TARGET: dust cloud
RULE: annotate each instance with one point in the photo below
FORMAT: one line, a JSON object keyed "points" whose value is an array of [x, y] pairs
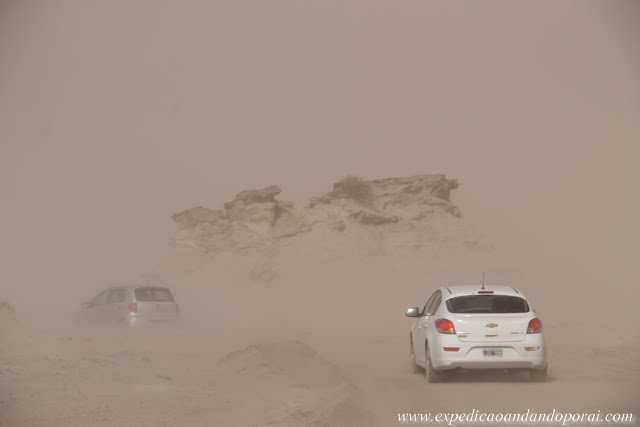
{"points": [[114, 116]]}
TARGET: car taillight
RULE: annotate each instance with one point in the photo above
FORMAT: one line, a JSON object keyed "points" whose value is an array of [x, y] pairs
{"points": [[133, 307], [445, 326], [535, 326]]}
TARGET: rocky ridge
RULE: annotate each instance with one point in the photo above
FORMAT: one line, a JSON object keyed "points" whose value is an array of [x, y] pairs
{"points": [[256, 217], [382, 229]]}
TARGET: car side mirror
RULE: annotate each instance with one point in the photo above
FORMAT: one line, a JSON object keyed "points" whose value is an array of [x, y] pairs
{"points": [[413, 312]]}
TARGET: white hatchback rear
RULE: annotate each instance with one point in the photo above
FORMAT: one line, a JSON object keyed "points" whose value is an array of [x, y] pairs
{"points": [[477, 327]]}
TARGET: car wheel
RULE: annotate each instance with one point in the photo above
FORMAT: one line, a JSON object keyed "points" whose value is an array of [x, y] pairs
{"points": [[538, 375], [432, 375], [415, 368]]}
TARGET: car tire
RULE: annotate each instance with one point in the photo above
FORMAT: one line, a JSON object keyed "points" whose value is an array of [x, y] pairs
{"points": [[430, 372], [415, 368], [538, 375]]}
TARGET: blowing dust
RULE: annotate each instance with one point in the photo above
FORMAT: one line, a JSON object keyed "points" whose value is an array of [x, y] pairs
{"points": [[299, 174]]}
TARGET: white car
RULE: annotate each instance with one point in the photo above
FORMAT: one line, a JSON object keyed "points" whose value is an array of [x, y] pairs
{"points": [[477, 327]]}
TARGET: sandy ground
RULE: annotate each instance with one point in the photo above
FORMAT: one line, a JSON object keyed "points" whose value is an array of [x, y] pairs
{"points": [[114, 115], [288, 356]]}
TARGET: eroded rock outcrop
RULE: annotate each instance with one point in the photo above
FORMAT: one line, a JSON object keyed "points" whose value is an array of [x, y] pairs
{"points": [[256, 217], [383, 230]]}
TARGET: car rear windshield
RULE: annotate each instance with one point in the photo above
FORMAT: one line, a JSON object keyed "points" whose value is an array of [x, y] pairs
{"points": [[153, 295], [487, 304]]}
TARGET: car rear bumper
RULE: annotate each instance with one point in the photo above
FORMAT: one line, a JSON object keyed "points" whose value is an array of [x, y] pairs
{"points": [[137, 321], [531, 353]]}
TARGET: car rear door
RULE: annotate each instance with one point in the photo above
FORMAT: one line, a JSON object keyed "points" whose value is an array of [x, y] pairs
{"points": [[116, 308], [97, 310], [421, 327]]}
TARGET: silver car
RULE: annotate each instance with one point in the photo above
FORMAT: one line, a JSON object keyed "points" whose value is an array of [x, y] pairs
{"points": [[132, 306]]}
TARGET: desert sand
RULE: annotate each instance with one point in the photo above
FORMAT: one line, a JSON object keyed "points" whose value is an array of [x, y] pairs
{"points": [[293, 315], [194, 144]]}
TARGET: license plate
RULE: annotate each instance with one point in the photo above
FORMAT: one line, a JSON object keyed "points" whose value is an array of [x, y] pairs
{"points": [[492, 352]]}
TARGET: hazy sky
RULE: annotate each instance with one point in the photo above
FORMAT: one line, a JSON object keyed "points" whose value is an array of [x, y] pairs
{"points": [[116, 114]]}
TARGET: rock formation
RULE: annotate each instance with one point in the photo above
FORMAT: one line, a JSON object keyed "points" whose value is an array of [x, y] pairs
{"points": [[384, 229], [256, 216]]}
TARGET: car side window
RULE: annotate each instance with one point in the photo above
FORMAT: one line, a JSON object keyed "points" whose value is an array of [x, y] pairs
{"points": [[436, 302], [427, 307], [116, 296], [101, 299]]}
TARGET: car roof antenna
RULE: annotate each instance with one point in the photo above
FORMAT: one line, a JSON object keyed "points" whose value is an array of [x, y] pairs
{"points": [[483, 280]]}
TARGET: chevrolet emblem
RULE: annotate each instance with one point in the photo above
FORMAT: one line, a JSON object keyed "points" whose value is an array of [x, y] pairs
{"points": [[491, 325]]}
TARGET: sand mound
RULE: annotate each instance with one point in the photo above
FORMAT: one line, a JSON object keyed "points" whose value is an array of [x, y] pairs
{"points": [[310, 390], [293, 359]]}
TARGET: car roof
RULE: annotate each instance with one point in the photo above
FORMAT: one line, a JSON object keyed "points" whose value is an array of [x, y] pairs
{"points": [[474, 289]]}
